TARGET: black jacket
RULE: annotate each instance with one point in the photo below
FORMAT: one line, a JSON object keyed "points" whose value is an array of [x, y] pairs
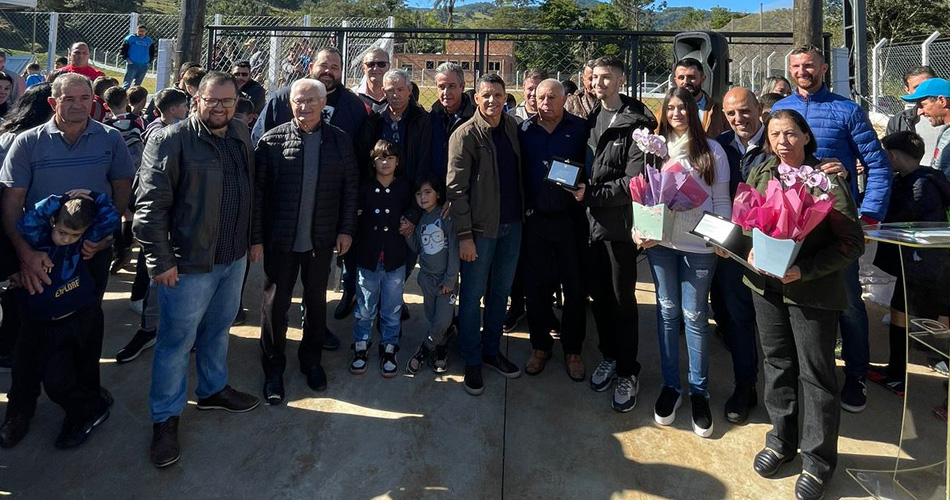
{"points": [[381, 208], [279, 161], [905, 120], [348, 115], [740, 164], [416, 146], [442, 127], [921, 196], [178, 196], [255, 93], [616, 160]]}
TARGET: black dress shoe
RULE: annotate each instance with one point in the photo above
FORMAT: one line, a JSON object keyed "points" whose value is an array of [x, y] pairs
{"points": [[767, 462], [274, 389], [14, 429], [345, 307], [317, 378], [738, 405], [330, 341], [809, 487]]}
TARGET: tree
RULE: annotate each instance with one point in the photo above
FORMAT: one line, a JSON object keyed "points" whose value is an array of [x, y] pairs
{"points": [[905, 19], [639, 15], [719, 17], [448, 8]]}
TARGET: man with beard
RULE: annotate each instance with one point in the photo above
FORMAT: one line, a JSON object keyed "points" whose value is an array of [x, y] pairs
{"points": [[842, 131], [193, 218], [688, 74], [343, 109]]}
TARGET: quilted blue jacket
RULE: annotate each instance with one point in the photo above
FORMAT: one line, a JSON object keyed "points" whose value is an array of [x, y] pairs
{"points": [[843, 131]]}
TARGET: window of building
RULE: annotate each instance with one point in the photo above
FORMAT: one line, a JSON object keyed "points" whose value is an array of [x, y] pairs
{"points": [[494, 65], [430, 64], [466, 65]]}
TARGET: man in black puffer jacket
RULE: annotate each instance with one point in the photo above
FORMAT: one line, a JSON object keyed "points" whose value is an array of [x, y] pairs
{"points": [[614, 159], [306, 203]]}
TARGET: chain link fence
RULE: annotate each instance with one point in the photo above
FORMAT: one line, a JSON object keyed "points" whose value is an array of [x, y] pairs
{"points": [[285, 53], [890, 61]]}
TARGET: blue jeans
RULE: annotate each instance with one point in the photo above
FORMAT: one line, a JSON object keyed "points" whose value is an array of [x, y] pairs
{"points": [[682, 283], [380, 290], [197, 311], [497, 257], [134, 73], [855, 349]]}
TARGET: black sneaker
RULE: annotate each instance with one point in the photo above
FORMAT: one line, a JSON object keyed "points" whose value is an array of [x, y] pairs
{"points": [[317, 378], [501, 364], [418, 360], [388, 364], [809, 487], [141, 341], [14, 429], [664, 411], [360, 357], [474, 384], [625, 394], [75, 434], [229, 399], [854, 395], [274, 389], [702, 417], [881, 375], [514, 316], [441, 362]]}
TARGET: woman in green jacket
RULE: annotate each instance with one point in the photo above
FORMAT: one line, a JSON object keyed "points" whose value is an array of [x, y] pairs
{"points": [[797, 316]]}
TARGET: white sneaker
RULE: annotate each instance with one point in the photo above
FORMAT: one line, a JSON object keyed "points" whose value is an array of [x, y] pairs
{"points": [[625, 395], [603, 375]]}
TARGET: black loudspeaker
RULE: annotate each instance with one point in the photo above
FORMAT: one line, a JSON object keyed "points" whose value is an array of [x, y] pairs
{"points": [[710, 48]]}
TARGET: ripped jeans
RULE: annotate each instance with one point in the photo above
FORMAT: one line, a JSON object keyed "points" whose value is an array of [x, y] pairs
{"points": [[683, 280]]}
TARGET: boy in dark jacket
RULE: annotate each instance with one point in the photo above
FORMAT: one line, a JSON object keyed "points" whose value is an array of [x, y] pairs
{"points": [[65, 315], [918, 194]]}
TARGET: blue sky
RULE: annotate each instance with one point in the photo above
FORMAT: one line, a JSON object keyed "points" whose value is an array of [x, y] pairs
{"points": [[699, 4]]}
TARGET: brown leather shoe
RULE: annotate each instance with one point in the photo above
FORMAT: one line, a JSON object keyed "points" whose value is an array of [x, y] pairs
{"points": [[165, 450], [229, 399], [14, 429], [575, 367], [536, 362]]}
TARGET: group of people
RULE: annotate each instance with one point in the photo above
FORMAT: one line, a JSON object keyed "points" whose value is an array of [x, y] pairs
{"points": [[460, 190]]}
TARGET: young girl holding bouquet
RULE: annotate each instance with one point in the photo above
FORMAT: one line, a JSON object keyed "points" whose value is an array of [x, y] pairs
{"points": [[797, 314], [683, 266]]}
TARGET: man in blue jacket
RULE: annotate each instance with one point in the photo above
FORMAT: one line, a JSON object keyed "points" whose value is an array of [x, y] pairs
{"points": [[843, 131], [138, 50]]}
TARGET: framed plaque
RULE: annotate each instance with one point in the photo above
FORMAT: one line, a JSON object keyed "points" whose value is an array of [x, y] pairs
{"points": [[564, 173]]}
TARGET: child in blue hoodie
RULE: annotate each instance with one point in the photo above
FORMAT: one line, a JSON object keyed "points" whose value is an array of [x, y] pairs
{"points": [[65, 316]]}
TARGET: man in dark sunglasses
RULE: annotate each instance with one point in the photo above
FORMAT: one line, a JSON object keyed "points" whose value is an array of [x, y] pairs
{"points": [[370, 90], [251, 88]]}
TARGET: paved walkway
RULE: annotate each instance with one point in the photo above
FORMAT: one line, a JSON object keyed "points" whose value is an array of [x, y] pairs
{"points": [[542, 437]]}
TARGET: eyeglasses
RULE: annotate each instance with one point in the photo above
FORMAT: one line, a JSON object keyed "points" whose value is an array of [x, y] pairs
{"points": [[305, 102], [376, 64], [241, 74], [211, 102]]}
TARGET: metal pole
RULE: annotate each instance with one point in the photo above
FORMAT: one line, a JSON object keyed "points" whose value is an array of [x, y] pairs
{"points": [[925, 48], [306, 20], [755, 73], [741, 70], [133, 22], [273, 66], [876, 72], [51, 42], [218, 19], [163, 66], [768, 64], [787, 57]]}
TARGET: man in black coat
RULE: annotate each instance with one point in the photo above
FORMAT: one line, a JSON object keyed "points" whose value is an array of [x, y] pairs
{"points": [[305, 207]]}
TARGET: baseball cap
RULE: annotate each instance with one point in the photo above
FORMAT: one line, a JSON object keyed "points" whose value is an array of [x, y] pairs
{"points": [[932, 87]]}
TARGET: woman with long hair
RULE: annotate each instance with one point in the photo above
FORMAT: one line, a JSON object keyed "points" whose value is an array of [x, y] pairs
{"points": [[683, 266], [30, 110], [776, 85], [797, 314]]}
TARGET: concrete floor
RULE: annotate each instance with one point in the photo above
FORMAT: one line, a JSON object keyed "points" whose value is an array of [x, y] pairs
{"points": [[424, 437]]}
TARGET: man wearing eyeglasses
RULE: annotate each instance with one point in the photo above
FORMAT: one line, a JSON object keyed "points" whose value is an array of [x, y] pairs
{"points": [[375, 65], [247, 86], [305, 206], [193, 219]]}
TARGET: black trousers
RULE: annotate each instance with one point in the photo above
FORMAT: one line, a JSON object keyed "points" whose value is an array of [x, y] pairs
{"points": [[798, 344], [551, 257], [141, 282], [9, 330], [612, 280], [68, 360], [280, 276], [26, 371]]}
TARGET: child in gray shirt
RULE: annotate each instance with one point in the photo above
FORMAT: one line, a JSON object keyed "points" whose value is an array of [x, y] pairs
{"points": [[435, 242]]}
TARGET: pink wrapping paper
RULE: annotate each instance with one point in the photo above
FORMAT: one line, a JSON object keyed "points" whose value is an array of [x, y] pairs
{"points": [[780, 213], [673, 187]]}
